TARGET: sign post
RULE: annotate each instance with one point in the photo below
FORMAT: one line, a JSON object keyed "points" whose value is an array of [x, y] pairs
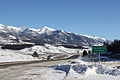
{"points": [[99, 49], [99, 57]]}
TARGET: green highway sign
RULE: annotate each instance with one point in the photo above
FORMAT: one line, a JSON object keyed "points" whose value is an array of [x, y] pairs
{"points": [[99, 49]]}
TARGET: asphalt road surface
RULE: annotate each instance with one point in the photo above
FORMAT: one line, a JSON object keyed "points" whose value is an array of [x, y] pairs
{"points": [[12, 72]]}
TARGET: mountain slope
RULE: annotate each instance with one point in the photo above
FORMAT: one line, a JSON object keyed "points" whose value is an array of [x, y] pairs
{"points": [[46, 35]]}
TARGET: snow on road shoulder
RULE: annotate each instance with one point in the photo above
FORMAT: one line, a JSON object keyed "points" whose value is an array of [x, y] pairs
{"points": [[73, 70], [89, 72], [42, 74]]}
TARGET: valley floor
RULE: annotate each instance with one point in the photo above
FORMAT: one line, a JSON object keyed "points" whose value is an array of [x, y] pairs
{"points": [[71, 69]]}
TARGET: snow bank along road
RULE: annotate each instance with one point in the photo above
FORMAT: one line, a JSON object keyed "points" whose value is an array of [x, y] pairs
{"points": [[72, 69]]}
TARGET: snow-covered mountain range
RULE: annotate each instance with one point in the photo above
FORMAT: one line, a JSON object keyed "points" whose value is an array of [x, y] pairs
{"points": [[48, 35]]}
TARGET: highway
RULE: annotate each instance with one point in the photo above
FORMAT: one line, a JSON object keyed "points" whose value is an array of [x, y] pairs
{"points": [[13, 71]]}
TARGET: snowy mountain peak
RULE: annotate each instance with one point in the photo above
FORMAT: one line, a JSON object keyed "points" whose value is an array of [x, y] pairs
{"points": [[23, 28], [93, 37], [1, 25], [46, 30], [13, 28]]}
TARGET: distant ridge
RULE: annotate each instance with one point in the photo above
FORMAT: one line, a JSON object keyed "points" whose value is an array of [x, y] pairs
{"points": [[12, 34]]}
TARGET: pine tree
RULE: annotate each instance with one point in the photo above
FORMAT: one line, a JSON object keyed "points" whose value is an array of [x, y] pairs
{"points": [[35, 54], [84, 53]]}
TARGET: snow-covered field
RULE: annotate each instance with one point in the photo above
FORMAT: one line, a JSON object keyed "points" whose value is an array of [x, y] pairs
{"points": [[43, 51], [73, 70], [50, 49], [10, 56]]}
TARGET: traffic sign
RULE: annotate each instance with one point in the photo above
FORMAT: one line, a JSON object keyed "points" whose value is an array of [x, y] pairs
{"points": [[99, 49]]}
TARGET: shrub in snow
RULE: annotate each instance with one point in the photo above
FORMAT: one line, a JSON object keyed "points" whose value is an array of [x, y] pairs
{"points": [[35, 54], [89, 52], [85, 53]]}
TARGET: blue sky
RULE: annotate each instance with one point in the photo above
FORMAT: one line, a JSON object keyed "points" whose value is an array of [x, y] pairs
{"points": [[91, 17]]}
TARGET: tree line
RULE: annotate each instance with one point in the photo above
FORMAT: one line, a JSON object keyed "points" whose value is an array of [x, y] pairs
{"points": [[113, 47], [16, 46]]}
